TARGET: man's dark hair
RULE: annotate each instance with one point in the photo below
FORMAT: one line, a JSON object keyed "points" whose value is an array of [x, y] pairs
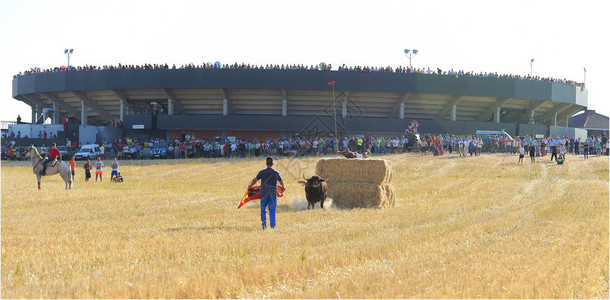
{"points": [[269, 161], [54, 144]]}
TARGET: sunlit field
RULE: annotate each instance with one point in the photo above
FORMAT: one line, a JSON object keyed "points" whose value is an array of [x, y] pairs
{"points": [[476, 227]]}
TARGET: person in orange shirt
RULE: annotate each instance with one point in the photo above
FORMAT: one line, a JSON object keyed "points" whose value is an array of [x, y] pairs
{"points": [[72, 164]]}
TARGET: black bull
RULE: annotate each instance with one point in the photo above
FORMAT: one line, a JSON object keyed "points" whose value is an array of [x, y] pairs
{"points": [[315, 190]]}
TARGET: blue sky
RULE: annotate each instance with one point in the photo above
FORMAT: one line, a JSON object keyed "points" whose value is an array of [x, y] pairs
{"points": [[497, 36]]}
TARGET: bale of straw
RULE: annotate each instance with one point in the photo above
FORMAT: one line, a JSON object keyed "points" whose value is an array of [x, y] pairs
{"points": [[390, 192], [342, 170], [349, 195]]}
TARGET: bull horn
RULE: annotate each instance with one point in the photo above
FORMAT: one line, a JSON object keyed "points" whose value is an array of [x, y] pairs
{"points": [[304, 177]]}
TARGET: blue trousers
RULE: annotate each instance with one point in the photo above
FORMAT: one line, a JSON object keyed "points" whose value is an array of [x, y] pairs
{"points": [[272, 204]]}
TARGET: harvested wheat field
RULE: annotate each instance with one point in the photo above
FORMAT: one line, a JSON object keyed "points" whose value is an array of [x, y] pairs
{"points": [[477, 227]]}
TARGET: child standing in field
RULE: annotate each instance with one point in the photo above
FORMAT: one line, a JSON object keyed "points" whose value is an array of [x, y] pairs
{"points": [[98, 169], [72, 164], [521, 154], [87, 168], [115, 169]]}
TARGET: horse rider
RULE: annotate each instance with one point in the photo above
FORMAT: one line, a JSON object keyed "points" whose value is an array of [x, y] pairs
{"points": [[53, 154]]}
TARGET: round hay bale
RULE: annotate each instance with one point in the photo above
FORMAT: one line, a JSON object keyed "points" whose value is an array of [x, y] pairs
{"points": [[342, 170], [350, 195]]}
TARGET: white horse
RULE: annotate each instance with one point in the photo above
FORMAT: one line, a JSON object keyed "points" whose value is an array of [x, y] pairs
{"points": [[62, 167]]}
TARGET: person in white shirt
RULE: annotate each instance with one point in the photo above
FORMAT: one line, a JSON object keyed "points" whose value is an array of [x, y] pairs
{"points": [[479, 146], [102, 152], [521, 155]]}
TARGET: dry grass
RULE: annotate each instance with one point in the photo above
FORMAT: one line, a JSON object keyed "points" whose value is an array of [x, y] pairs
{"points": [[462, 228]]}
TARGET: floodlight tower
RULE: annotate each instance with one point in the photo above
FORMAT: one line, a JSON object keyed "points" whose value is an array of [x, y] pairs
{"points": [[68, 53], [531, 67], [410, 55]]}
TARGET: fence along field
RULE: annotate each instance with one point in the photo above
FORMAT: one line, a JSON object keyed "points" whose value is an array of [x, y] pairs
{"points": [[475, 228]]}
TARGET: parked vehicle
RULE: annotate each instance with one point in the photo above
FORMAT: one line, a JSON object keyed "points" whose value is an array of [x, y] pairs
{"points": [[91, 151], [159, 151], [485, 133], [66, 152]]}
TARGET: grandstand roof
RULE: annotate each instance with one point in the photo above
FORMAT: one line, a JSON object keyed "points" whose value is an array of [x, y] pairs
{"points": [[107, 95]]}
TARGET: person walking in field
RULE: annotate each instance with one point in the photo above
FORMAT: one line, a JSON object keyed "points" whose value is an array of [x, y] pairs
{"points": [[99, 165], [72, 164], [554, 144], [87, 168], [269, 179], [115, 169], [532, 153]]}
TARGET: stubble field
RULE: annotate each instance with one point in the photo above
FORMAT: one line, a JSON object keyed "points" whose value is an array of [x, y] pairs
{"points": [[480, 227]]}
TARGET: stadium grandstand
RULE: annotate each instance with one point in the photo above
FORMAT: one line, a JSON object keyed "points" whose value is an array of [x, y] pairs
{"points": [[216, 100]]}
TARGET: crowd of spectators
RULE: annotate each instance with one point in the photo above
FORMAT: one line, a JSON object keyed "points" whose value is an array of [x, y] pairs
{"points": [[474, 145], [322, 66], [188, 146]]}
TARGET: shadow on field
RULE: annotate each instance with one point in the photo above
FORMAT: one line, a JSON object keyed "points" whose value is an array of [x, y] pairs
{"points": [[295, 204], [210, 228]]}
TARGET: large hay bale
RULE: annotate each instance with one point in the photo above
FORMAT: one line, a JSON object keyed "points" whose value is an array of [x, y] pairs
{"points": [[390, 196], [342, 170], [349, 195]]}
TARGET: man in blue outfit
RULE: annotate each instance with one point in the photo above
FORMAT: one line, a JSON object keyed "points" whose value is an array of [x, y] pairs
{"points": [[269, 179]]}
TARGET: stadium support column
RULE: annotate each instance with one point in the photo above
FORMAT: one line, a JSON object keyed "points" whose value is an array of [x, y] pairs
{"points": [[450, 108], [56, 113], [344, 99], [552, 115], [399, 108], [83, 114], [170, 106], [497, 115], [454, 112], [284, 104], [33, 114], [227, 106], [569, 112], [121, 111], [173, 104], [39, 112], [530, 112], [123, 103]]}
